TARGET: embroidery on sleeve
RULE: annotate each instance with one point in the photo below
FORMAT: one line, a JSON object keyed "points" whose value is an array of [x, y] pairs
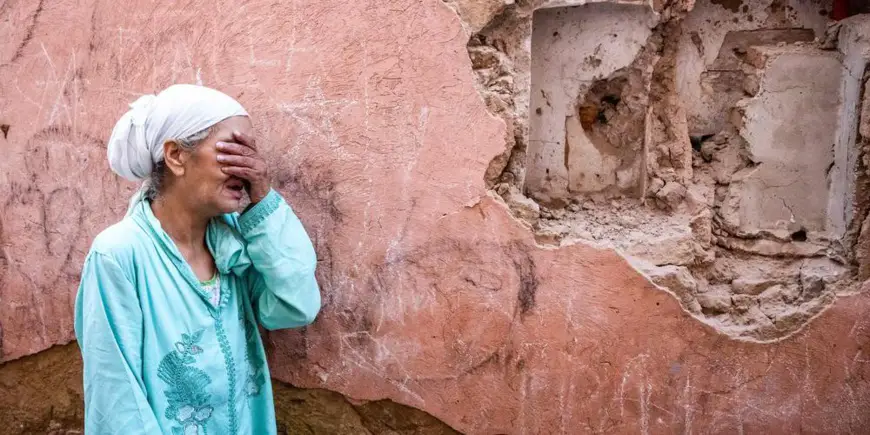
{"points": [[187, 396]]}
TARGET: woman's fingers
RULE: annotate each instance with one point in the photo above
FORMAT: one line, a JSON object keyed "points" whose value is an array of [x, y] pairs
{"points": [[237, 160], [242, 160], [241, 172], [234, 148], [246, 140]]}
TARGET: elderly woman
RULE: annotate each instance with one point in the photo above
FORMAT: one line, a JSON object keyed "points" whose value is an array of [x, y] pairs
{"points": [[170, 298]]}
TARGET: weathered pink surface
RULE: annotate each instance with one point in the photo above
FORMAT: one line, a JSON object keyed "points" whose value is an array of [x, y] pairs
{"points": [[598, 350], [434, 296]]}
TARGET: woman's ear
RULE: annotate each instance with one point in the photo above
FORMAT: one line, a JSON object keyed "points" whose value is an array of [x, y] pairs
{"points": [[174, 156]]}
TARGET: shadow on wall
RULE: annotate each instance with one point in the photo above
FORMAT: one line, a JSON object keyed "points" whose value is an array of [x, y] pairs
{"points": [[848, 8], [50, 383]]}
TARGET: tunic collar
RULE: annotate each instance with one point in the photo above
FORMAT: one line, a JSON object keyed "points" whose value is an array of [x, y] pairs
{"points": [[223, 239]]}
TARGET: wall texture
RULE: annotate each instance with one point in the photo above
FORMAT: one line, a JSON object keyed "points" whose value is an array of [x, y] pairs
{"points": [[399, 131]]}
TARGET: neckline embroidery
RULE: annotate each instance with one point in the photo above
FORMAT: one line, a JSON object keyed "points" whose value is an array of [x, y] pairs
{"points": [[212, 289]]}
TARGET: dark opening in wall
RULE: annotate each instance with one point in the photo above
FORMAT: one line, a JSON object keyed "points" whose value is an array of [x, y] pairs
{"points": [[587, 135]]}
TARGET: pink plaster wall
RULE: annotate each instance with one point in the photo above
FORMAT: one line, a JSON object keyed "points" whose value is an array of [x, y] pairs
{"points": [[434, 296]]}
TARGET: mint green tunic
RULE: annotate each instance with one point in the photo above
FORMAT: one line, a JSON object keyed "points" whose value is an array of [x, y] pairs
{"points": [[159, 356]]}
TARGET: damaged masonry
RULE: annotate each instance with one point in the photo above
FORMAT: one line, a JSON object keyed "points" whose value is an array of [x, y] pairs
{"points": [[491, 187], [718, 150]]}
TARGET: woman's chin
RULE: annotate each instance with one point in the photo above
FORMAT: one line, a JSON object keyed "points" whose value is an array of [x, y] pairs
{"points": [[229, 204]]}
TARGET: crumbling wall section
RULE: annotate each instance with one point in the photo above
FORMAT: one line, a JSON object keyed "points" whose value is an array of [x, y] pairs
{"points": [[584, 137], [713, 151], [861, 225], [850, 36]]}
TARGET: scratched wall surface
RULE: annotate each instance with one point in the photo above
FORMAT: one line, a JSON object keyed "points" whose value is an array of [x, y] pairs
{"points": [[434, 296]]}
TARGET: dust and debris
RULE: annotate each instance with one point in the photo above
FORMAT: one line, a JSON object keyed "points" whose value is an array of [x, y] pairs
{"points": [[494, 52], [611, 114], [622, 224], [686, 225]]}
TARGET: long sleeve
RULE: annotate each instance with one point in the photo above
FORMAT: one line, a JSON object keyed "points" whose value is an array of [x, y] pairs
{"points": [[108, 327], [284, 288]]}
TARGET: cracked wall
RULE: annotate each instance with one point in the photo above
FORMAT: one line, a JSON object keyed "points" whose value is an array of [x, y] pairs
{"points": [[583, 136], [711, 148], [399, 132]]}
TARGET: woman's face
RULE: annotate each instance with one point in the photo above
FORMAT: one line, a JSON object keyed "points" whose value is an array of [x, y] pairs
{"points": [[203, 181]]}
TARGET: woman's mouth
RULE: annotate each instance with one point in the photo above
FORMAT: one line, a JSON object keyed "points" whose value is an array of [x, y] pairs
{"points": [[236, 186]]}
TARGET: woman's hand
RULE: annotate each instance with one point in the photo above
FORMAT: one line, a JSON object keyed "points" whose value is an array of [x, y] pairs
{"points": [[242, 160]]}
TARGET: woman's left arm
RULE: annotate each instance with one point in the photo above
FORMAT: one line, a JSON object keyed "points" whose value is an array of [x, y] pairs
{"points": [[284, 289]]}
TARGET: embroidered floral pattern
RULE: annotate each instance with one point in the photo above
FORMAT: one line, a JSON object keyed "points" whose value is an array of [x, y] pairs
{"points": [[187, 396], [231, 371], [256, 375]]}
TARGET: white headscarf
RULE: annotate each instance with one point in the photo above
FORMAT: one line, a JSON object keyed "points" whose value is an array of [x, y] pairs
{"points": [[179, 111]]}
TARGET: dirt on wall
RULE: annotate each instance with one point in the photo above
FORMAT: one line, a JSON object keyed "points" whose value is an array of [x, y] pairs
{"points": [[42, 394]]}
